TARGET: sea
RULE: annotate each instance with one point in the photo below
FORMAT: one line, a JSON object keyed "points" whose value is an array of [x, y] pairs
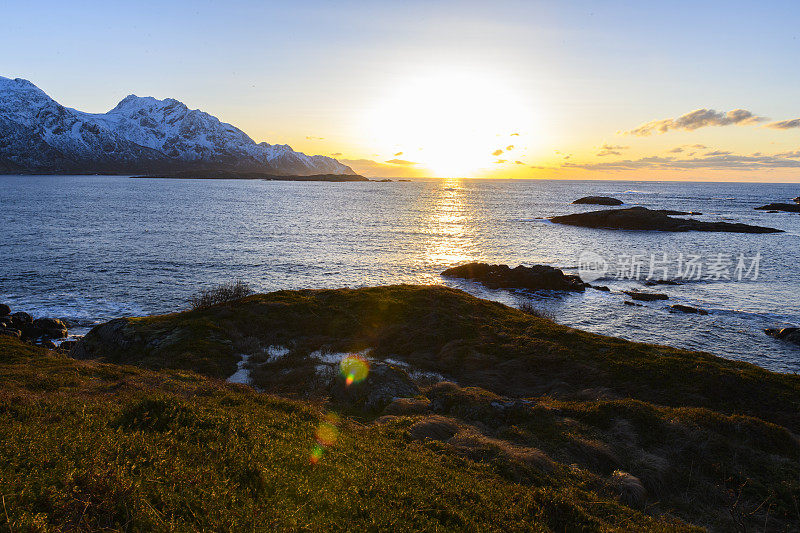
{"points": [[91, 248]]}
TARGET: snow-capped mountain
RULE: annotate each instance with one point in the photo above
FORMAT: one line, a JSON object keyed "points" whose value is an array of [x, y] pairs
{"points": [[140, 135]]}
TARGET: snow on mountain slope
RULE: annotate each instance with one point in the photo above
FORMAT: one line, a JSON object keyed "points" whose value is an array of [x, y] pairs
{"points": [[140, 134]]}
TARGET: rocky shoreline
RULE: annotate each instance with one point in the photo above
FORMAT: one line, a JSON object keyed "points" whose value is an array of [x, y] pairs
{"points": [[39, 331]]}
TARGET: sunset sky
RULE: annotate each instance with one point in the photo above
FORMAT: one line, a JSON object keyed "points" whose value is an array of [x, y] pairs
{"points": [[606, 90]]}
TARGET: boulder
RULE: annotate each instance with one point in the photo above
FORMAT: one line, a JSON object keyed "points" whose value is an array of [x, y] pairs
{"points": [[21, 318], [797, 200], [646, 296], [4, 310], [537, 277], [52, 327], [626, 302], [785, 334], [688, 309], [643, 219], [29, 331], [788, 208], [598, 200], [384, 384], [600, 288], [5, 321]]}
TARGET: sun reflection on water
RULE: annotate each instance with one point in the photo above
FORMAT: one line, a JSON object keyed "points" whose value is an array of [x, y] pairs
{"points": [[449, 225]]}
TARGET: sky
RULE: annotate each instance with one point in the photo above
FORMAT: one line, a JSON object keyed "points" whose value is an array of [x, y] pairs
{"points": [[580, 90]]}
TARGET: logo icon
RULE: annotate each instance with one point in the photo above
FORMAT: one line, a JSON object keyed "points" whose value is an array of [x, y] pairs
{"points": [[591, 266]]}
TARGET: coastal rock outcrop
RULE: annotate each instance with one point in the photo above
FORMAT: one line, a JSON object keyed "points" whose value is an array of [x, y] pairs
{"points": [[688, 309], [641, 218], [23, 326], [646, 296], [598, 200], [785, 334], [788, 208], [534, 278]]}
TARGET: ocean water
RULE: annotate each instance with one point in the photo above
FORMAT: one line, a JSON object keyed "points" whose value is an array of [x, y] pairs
{"points": [[92, 248]]}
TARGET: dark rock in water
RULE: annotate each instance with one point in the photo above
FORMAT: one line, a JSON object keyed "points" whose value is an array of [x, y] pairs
{"points": [[789, 208], [600, 288], [598, 200], [4, 310], [21, 318], [11, 332], [626, 302], [688, 309], [646, 296], [383, 385], [653, 282], [797, 200], [786, 334], [29, 331], [537, 277], [52, 327], [641, 218]]}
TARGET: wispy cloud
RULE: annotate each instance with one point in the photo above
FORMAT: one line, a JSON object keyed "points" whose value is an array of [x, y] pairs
{"points": [[312, 138], [398, 154], [699, 118], [497, 152], [401, 162], [337, 154], [725, 160], [784, 124], [610, 149]]}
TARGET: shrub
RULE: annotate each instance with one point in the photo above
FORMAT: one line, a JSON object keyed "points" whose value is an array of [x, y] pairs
{"points": [[527, 307], [226, 292]]}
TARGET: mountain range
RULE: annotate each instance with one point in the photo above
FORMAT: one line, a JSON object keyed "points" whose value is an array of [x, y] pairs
{"points": [[140, 135]]}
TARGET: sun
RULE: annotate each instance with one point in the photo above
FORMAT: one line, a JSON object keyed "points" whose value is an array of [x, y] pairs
{"points": [[451, 122]]}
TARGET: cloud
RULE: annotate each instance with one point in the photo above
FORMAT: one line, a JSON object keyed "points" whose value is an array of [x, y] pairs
{"points": [[699, 118], [784, 124], [712, 162], [509, 147], [514, 134], [497, 152], [610, 149], [501, 161], [718, 152], [401, 162], [398, 153], [676, 150], [518, 163], [312, 138], [337, 154]]}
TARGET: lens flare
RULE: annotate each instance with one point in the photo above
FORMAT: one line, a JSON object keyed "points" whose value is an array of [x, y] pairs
{"points": [[354, 369], [316, 454], [326, 435]]}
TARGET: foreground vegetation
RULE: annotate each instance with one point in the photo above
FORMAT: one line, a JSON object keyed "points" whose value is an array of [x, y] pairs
{"points": [[538, 427]]}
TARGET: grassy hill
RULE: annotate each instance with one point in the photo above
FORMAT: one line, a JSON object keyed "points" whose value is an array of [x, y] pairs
{"points": [[505, 421]]}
